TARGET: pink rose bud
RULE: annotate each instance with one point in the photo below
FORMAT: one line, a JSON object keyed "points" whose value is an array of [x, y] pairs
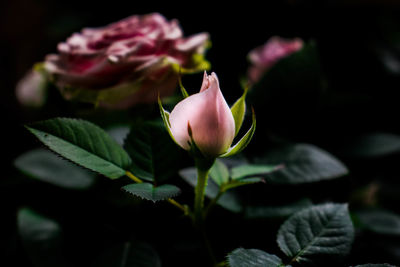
{"points": [[264, 57], [31, 89], [127, 62], [206, 117]]}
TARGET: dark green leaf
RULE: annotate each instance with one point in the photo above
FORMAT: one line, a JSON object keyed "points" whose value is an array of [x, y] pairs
{"points": [[45, 166], [245, 181], [219, 172], [374, 145], [154, 155], [241, 257], [320, 231], [129, 254], [248, 170], [261, 212], [149, 192], [229, 200], [303, 163], [42, 238], [83, 143], [379, 221]]}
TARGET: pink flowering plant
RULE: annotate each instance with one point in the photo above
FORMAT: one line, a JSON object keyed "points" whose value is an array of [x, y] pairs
{"points": [[196, 189], [264, 57], [125, 63]]}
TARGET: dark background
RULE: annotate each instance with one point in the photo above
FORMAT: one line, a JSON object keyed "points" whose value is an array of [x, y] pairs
{"points": [[351, 37]]}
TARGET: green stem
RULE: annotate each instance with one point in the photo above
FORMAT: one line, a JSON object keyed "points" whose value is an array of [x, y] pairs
{"points": [[199, 192], [203, 166]]}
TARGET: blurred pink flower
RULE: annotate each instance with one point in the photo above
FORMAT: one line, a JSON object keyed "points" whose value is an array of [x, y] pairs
{"points": [[126, 62], [207, 116], [264, 57], [31, 89]]}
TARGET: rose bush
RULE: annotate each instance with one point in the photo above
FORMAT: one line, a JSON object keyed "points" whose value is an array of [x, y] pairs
{"points": [[127, 62], [264, 57]]}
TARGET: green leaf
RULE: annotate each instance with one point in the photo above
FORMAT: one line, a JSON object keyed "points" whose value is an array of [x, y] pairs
{"points": [[42, 238], [83, 143], [243, 142], [379, 221], [267, 212], [154, 156], [129, 254], [245, 181], [248, 170], [320, 231], [241, 257], [239, 110], [374, 145], [229, 200], [303, 163], [149, 192], [45, 166], [219, 172], [248, 174]]}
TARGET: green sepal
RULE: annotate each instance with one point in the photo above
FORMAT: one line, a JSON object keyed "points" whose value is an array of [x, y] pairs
{"points": [[183, 90], [244, 141], [165, 118], [238, 110]]}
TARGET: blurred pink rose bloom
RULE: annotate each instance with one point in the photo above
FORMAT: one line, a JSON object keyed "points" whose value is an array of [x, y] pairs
{"points": [[127, 62], [264, 57], [31, 89]]}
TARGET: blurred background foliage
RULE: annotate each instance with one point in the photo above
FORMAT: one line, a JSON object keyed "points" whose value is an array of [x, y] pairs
{"points": [[343, 97]]}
